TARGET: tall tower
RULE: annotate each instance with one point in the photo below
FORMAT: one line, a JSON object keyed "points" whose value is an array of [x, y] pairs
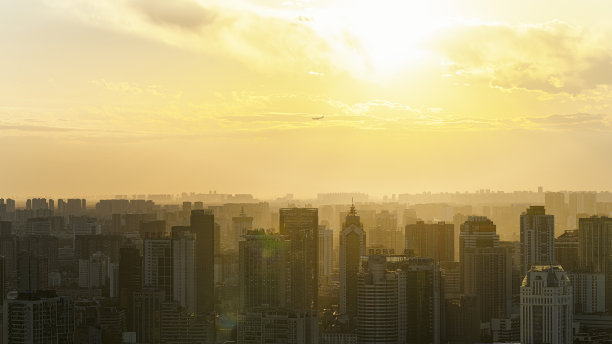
{"points": [[537, 238], [546, 306], [301, 226], [352, 247], [203, 225]]}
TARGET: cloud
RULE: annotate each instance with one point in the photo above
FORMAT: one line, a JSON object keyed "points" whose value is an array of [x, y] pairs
{"points": [[554, 57], [184, 14]]}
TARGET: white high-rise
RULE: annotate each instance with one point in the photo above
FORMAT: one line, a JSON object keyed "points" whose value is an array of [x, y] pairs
{"points": [[546, 306]]}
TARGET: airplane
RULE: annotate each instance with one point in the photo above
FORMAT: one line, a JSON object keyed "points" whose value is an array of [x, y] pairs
{"points": [[318, 117]]}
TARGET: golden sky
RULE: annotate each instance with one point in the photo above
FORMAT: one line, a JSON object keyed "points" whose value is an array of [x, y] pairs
{"points": [[148, 96]]}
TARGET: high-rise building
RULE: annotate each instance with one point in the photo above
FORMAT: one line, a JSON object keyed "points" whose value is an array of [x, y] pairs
{"points": [[241, 224], [301, 226], [32, 272], [326, 251], [463, 319], [377, 303], [157, 272], [38, 317], [432, 240], [555, 205], [203, 225], [147, 315], [93, 272], [352, 247], [477, 231], [546, 306], [595, 250], [184, 268], [589, 292], [130, 281], [537, 238], [566, 250], [486, 268], [420, 300], [180, 326], [264, 271]]}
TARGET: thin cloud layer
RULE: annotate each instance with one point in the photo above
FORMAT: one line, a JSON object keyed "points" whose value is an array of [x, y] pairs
{"points": [[554, 57]]}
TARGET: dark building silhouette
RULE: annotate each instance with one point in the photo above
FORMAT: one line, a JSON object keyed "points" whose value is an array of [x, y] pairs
{"points": [[537, 238], [595, 250], [352, 247], [566, 250], [203, 225], [130, 281], [432, 240], [301, 226]]}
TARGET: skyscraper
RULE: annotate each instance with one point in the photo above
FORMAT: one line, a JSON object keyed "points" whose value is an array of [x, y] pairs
{"points": [[301, 226], [486, 268], [537, 238], [595, 250], [377, 303], [183, 267], [420, 299], [157, 251], [264, 271], [130, 281], [432, 240], [352, 247], [38, 317], [326, 251], [203, 225], [546, 306], [566, 250]]}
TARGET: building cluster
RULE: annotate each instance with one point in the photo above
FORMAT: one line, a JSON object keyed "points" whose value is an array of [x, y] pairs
{"points": [[135, 271]]}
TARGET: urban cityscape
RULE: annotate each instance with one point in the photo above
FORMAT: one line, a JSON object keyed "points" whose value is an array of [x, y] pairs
{"points": [[480, 267], [305, 171]]}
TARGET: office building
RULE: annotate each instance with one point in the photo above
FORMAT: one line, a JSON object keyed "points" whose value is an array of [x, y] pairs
{"points": [[241, 224], [589, 292], [326, 251], [566, 250], [130, 281]]}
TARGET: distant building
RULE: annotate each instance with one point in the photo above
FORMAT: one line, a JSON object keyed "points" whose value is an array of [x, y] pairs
{"points": [[264, 325], [326, 251], [147, 315], [241, 224], [130, 281], [432, 240], [555, 205], [93, 272], [546, 306]]}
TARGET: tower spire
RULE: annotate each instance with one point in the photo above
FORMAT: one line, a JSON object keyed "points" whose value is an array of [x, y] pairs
{"points": [[353, 211]]}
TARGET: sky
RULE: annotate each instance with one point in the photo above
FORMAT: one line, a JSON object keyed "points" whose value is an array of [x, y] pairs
{"points": [[155, 96]]}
